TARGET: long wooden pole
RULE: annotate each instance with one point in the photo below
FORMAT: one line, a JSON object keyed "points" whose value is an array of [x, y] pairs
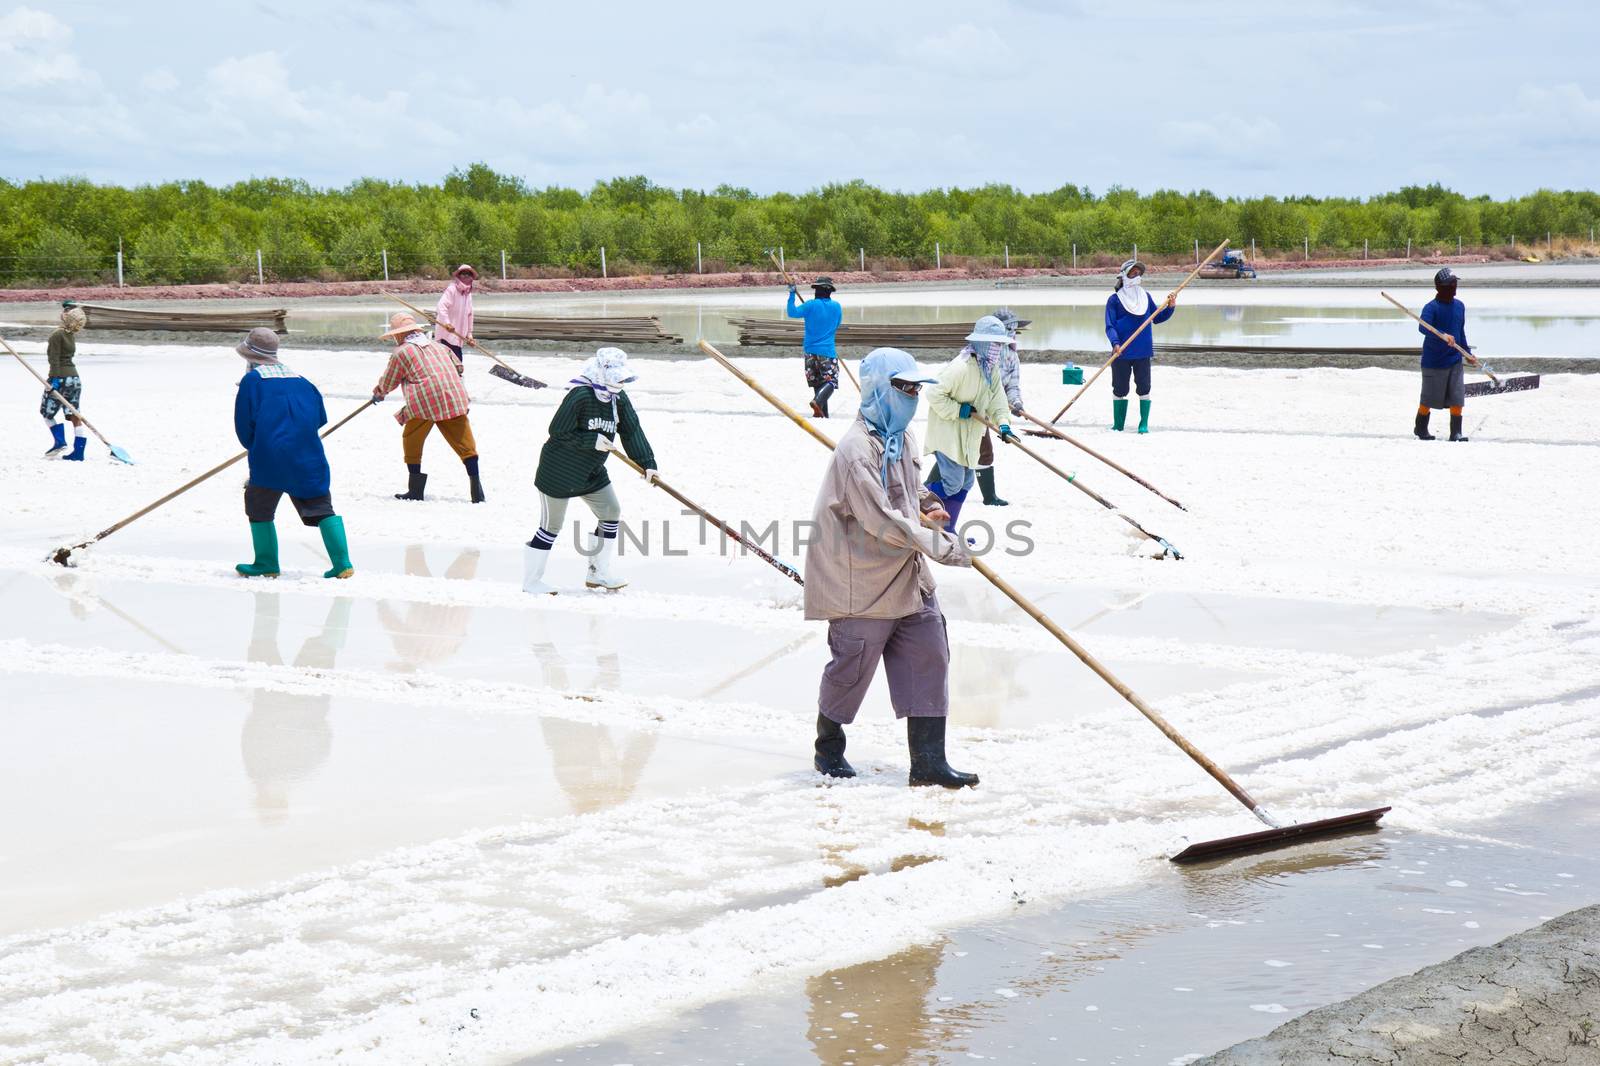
{"points": [[433, 317], [1048, 429], [117, 452], [1072, 479], [62, 555], [732, 534], [1151, 714], [788, 277], [1471, 359], [1119, 349]]}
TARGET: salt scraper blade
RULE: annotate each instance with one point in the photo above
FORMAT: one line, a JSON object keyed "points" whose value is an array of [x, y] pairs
{"points": [[1266, 839]]}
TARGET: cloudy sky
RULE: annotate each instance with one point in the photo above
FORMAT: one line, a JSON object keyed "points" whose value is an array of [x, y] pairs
{"points": [[1323, 97]]}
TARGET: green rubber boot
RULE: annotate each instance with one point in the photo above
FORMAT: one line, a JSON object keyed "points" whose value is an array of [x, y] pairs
{"points": [[1119, 413], [338, 547], [264, 535], [1144, 416]]}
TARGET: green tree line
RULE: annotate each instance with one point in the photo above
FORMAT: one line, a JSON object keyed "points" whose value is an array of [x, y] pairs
{"points": [[194, 232]]}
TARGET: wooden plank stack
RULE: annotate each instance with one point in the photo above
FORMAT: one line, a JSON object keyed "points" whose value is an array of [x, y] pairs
{"points": [[760, 331], [618, 330], [185, 320]]}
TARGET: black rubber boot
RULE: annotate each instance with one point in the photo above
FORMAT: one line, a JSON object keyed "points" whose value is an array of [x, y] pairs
{"points": [[1455, 428], [1422, 427], [830, 749], [925, 737], [986, 485], [415, 481], [823, 395]]}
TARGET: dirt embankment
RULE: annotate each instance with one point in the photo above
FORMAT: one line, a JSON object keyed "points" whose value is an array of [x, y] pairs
{"points": [[742, 279]]}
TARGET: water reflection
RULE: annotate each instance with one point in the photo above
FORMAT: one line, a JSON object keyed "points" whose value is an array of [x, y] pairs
{"points": [[287, 736], [891, 1023], [428, 634], [595, 765], [82, 601]]}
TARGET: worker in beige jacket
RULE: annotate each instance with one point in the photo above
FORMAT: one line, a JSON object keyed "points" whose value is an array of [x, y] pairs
{"points": [[867, 574], [970, 391]]}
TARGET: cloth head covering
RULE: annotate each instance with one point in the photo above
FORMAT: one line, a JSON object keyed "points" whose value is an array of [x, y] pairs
{"points": [[822, 283], [986, 341], [465, 268], [1130, 290], [606, 372], [73, 319], [885, 409], [1445, 278], [259, 347]]}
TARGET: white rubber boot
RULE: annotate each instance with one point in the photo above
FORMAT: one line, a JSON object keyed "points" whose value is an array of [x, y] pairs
{"points": [[534, 560], [600, 573]]}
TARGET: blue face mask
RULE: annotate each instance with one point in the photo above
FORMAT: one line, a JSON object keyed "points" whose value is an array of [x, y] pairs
{"points": [[886, 410]]}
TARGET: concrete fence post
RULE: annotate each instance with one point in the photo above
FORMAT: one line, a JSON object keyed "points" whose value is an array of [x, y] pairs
{"points": [[603, 261], [502, 264], [938, 259], [119, 262], [699, 260], [1408, 247], [782, 265], [1252, 249], [386, 264], [1308, 246], [863, 254], [1197, 251], [1136, 249], [260, 278], [1074, 255], [1008, 256], [1364, 247]]}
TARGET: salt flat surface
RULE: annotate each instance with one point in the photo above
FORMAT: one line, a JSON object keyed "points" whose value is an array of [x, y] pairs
{"points": [[417, 816]]}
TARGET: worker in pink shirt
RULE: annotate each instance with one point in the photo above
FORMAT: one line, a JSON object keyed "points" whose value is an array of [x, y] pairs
{"points": [[453, 319]]}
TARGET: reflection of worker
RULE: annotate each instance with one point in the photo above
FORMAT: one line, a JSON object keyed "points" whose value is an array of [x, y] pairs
{"points": [[1126, 310], [896, 1017], [1443, 377], [429, 633], [286, 737], [591, 766]]}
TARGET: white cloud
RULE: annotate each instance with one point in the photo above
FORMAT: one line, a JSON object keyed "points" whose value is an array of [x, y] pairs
{"points": [[1224, 136], [30, 52], [965, 44]]}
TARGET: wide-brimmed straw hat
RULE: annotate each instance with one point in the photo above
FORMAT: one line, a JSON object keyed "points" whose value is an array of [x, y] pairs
{"points": [[401, 324], [989, 330], [464, 268]]}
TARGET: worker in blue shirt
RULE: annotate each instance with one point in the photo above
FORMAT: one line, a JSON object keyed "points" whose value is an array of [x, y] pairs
{"points": [[1443, 377], [822, 314], [1126, 310], [276, 416]]}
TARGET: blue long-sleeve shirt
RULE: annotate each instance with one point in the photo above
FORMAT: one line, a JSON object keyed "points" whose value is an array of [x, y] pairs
{"points": [[822, 322], [1448, 318], [1120, 324], [277, 415]]}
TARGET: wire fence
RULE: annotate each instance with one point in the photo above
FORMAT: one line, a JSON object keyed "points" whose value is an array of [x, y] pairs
{"points": [[261, 266]]}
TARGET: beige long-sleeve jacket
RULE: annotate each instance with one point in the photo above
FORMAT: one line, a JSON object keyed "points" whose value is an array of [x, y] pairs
{"points": [[863, 558]]}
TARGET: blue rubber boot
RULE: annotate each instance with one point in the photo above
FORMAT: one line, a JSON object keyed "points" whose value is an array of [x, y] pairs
{"points": [[58, 433], [264, 536], [333, 539], [78, 445]]}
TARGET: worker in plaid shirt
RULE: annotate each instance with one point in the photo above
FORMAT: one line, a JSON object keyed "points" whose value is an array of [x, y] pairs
{"points": [[435, 396]]}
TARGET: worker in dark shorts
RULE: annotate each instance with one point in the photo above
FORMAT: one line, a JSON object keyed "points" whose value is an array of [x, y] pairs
{"points": [[822, 315], [1443, 376], [277, 415]]}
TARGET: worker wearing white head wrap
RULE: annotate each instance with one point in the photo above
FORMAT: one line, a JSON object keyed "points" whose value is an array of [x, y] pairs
{"points": [[595, 414], [1126, 310]]}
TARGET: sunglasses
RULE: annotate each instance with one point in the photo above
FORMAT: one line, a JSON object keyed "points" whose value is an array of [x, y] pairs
{"points": [[910, 388]]}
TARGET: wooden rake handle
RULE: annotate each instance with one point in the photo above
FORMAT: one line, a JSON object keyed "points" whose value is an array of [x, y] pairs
{"points": [[60, 399]]}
